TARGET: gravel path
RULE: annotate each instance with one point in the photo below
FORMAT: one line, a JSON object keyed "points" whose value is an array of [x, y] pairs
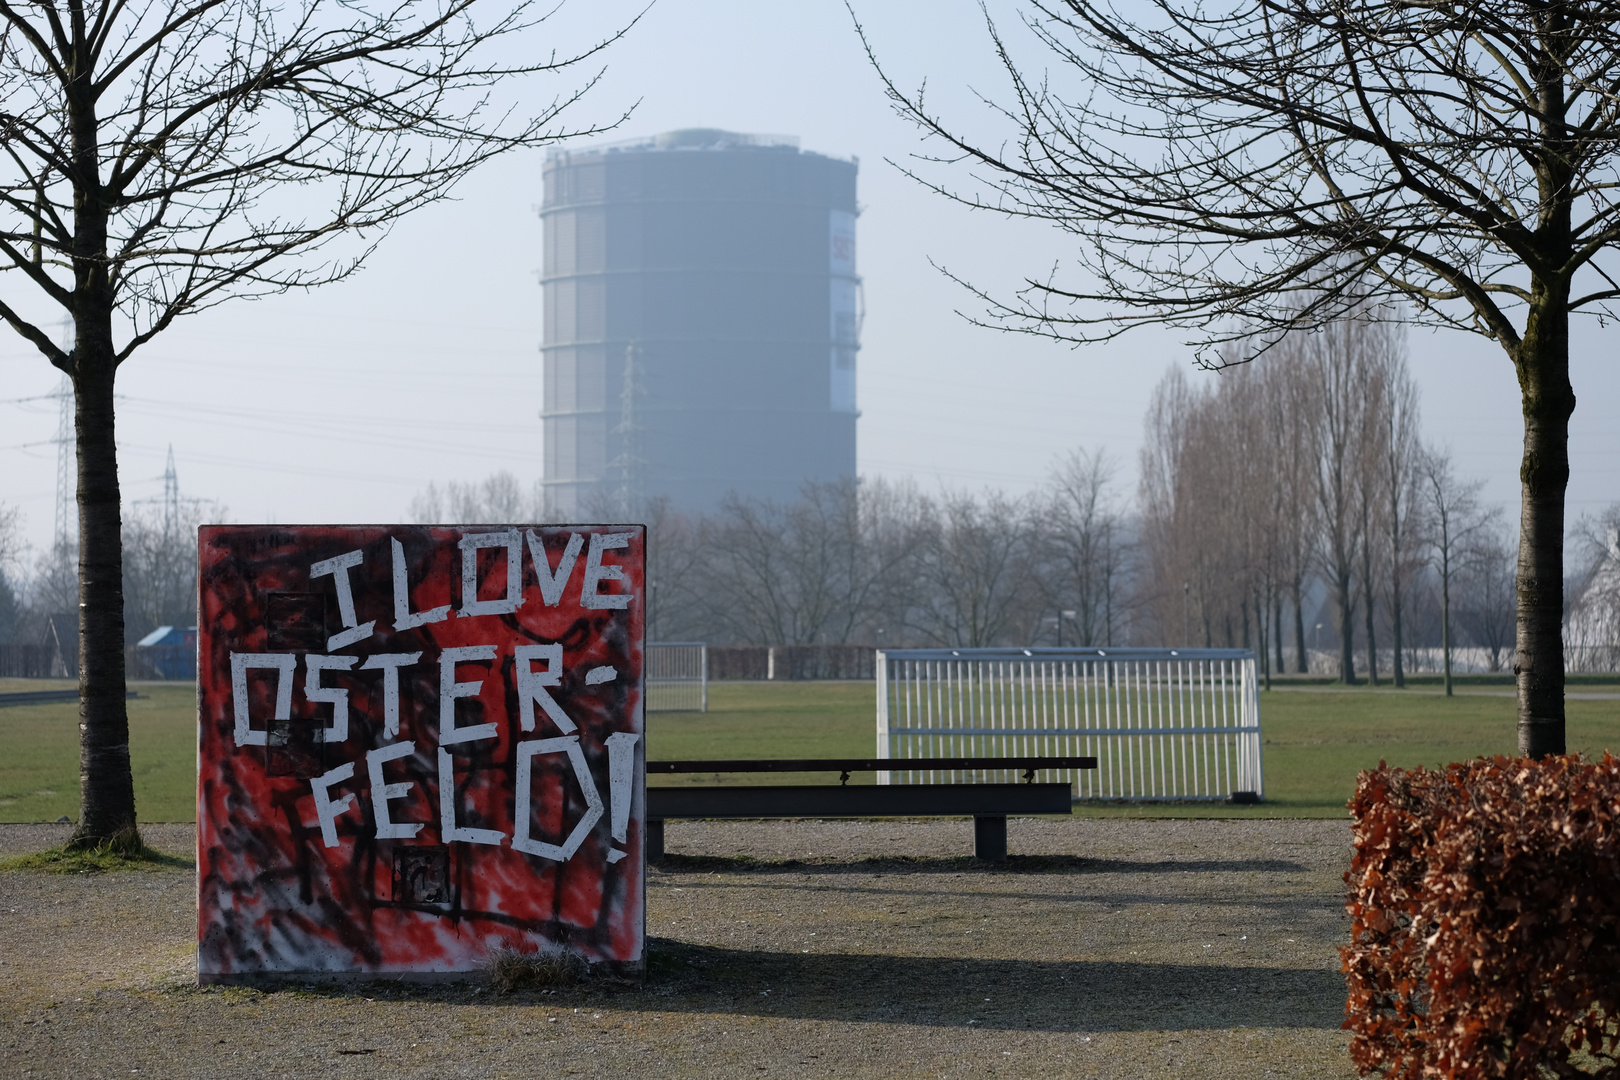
{"points": [[1107, 948]]}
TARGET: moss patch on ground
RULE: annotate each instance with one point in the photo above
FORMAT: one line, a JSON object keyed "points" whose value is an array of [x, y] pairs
{"points": [[98, 860]]}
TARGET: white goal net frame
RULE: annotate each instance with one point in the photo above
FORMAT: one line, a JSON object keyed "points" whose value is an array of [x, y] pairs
{"points": [[677, 676], [1164, 724]]}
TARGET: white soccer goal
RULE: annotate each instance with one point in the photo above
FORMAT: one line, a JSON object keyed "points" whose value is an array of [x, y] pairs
{"points": [[1164, 724], [677, 676]]}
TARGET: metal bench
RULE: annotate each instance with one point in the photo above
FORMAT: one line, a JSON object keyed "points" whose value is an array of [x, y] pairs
{"points": [[988, 804]]}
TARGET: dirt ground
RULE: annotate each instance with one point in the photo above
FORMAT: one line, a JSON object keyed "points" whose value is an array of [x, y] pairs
{"points": [[1106, 948]]}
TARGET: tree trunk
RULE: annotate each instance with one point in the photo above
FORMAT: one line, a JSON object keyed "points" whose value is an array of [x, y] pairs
{"points": [[1302, 663], [1395, 488], [1367, 597], [1261, 631], [106, 788], [1347, 632], [1445, 615], [1395, 619], [1277, 633], [1108, 608], [1548, 400]]}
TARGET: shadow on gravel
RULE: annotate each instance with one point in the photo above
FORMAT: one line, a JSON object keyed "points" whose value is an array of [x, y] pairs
{"points": [[1001, 995], [1056, 995], [1015, 864]]}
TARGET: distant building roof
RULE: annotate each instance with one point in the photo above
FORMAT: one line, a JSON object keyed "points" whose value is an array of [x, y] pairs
{"points": [[689, 139], [169, 635]]}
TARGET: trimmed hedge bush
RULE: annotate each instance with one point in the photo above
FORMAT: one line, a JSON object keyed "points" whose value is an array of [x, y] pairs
{"points": [[1485, 903]]}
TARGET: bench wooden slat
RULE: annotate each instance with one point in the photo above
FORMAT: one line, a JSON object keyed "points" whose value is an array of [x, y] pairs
{"points": [[870, 764], [989, 804], [823, 800]]}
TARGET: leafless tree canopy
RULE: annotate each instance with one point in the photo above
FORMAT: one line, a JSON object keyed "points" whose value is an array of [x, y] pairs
{"points": [[10, 536], [1246, 171], [160, 157], [160, 566], [218, 137], [498, 497], [1216, 159]]}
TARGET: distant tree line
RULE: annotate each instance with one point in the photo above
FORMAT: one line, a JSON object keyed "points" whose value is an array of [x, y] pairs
{"points": [[1300, 483], [1289, 505], [160, 573], [869, 562]]}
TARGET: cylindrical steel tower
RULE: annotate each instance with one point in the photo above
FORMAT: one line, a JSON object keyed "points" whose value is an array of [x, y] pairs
{"points": [[701, 321]]}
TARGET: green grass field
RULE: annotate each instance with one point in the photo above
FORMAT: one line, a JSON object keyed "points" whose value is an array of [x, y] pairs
{"points": [[1316, 740], [39, 755]]}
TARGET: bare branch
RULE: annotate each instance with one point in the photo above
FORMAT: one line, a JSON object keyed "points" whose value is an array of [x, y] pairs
{"points": [[1215, 161]]}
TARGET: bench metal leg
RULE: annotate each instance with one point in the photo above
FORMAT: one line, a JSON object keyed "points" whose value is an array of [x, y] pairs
{"points": [[990, 837], [655, 840]]}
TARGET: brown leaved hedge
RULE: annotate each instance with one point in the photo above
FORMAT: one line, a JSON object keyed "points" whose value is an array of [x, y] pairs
{"points": [[1485, 901]]}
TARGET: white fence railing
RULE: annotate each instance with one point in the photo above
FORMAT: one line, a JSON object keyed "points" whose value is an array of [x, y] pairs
{"points": [[677, 676], [1164, 724]]}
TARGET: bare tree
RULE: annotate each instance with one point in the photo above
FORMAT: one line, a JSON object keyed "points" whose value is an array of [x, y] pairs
{"points": [[975, 581], [1210, 509], [1486, 588], [1402, 453], [496, 498], [678, 604], [1334, 360], [160, 565], [1193, 535], [10, 550], [753, 578], [1271, 491], [53, 587], [1370, 505], [882, 579], [1454, 517], [10, 535], [1217, 474], [1594, 613], [1079, 531], [861, 539], [1211, 159], [163, 156], [1287, 395], [1256, 494], [1168, 571], [814, 570]]}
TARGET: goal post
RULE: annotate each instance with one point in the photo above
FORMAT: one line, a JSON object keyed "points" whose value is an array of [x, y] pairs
{"points": [[1164, 724], [677, 676]]}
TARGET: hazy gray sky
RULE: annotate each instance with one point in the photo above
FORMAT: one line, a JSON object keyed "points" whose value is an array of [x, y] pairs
{"points": [[338, 406]]}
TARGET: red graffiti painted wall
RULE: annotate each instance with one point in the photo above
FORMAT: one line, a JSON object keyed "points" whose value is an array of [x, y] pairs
{"points": [[417, 745]]}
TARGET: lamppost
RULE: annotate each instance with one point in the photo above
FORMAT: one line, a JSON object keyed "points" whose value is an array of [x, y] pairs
{"points": [[1318, 642], [1061, 615], [1186, 619]]}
